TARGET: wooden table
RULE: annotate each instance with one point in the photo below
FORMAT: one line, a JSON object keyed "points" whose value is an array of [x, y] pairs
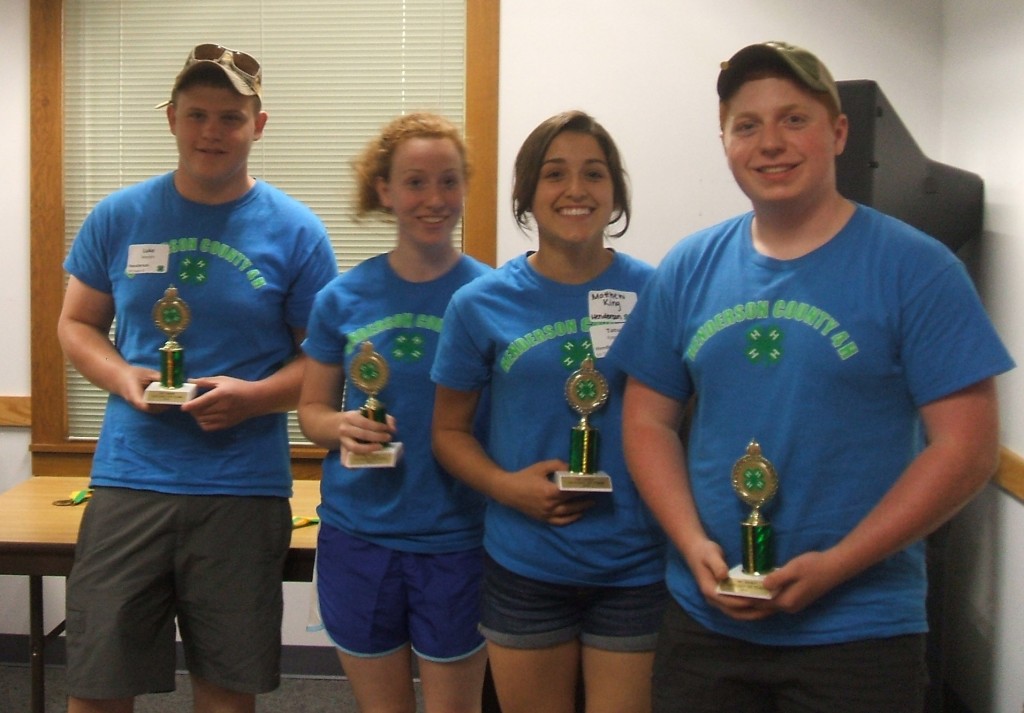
{"points": [[37, 539]]}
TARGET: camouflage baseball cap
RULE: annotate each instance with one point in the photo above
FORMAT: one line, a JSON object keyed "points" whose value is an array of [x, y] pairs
{"points": [[794, 61]]}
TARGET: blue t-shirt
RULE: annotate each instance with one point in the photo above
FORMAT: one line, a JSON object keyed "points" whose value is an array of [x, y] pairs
{"points": [[524, 335], [825, 361], [415, 506], [248, 271]]}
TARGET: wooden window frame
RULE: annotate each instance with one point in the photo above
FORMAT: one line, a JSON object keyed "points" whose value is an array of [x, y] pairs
{"points": [[53, 453]]}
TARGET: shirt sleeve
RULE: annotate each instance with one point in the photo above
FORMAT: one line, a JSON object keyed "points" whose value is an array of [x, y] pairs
{"points": [[648, 347], [462, 360]]}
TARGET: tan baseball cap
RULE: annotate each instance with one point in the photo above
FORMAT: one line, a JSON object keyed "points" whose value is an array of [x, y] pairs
{"points": [[795, 61], [241, 68]]}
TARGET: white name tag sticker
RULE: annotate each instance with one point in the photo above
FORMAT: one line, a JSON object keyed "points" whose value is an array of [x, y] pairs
{"points": [[147, 259], [608, 311]]}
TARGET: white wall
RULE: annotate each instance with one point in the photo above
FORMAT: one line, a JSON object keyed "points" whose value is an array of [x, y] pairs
{"points": [[983, 78], [646, 69], [15, 375]]}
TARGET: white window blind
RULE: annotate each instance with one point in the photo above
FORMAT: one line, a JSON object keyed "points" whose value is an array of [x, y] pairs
{"points": [[333, 73]]}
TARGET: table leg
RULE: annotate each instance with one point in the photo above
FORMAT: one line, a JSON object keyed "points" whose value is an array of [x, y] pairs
{"points": [[36, 643]]}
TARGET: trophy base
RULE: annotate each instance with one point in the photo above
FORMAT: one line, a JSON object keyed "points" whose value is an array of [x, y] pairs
{"points": [[157, 393], [386, 457], [741, 584], [599, 482]]}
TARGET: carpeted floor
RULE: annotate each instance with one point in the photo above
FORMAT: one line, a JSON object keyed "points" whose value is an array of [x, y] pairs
{"points": [[308, 695]]}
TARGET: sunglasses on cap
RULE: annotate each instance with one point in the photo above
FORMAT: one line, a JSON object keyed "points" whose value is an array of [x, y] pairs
{"points": [[242, 62], [240, 67]]}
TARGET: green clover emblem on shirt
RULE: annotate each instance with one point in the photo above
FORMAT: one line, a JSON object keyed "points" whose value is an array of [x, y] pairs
{"points": [[574, 352], [408, 347], [764, 345], [193, 270]]}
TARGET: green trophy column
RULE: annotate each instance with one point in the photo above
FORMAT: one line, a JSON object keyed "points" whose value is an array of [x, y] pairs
{"points": [[583, 445], [172, 365], [758, 547]]}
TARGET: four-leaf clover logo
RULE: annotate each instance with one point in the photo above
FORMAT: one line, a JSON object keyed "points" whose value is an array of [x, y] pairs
{"points": [[586, 390], [369, 371], [193, 270], [575, 351], [764, 344], [753, 479], [408, 346], [170, 315]]}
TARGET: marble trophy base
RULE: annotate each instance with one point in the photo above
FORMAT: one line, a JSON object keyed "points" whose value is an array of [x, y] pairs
{"points": [[741, 584], [157, 393], [599, 482], [386, 457]]}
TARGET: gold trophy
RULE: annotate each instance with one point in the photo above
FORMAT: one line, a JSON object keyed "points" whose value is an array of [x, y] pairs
{"points": [[755, 481], [586, 391], [172, 316], [369, 372]]}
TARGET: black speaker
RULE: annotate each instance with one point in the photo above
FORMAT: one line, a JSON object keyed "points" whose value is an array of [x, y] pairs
{"points": [[883, 167]]}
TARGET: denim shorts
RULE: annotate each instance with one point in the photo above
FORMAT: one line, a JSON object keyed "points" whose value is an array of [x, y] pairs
{"points": [[523, 613], [374, 600]]}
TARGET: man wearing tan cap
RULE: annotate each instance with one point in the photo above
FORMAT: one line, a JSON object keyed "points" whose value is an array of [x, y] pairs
{"points": [[189, 521], [842, 372]]}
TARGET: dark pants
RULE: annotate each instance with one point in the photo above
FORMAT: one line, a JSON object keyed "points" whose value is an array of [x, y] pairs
{"points": [[699, 671]]}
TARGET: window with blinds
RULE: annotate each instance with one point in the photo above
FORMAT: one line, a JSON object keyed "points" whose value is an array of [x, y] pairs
{"points": [[333, 74]]}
